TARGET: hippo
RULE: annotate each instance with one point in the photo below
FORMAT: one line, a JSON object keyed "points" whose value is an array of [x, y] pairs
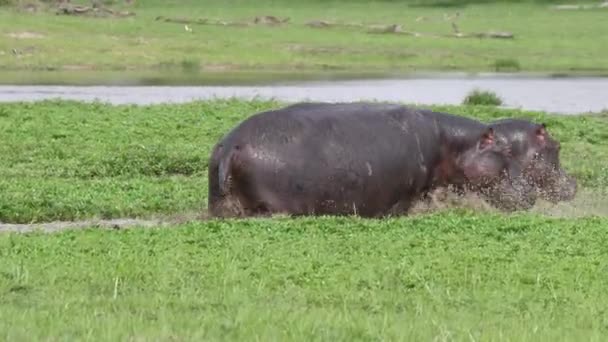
{"points": [[537, 153], [367, 159]]}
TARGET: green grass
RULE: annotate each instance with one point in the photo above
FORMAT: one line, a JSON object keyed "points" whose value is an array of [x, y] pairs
{"points": [[507, 64], [454, 276], [64, 160], [545, 40], [481, 97]]}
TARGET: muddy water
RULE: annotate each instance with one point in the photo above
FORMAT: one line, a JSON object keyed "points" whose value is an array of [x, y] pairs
{"points": [[556, 95]]}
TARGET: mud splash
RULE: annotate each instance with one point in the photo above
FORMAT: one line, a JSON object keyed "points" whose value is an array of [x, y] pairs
{"points": [[586, 203]]}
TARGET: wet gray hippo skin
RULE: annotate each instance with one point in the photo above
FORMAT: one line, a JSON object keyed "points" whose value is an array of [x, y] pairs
{"points": [[538, 156], [369, 159]]}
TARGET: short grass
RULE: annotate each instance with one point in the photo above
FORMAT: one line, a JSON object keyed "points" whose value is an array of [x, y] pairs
{"points": [[64, 160], [545, 39], [453, 276]]}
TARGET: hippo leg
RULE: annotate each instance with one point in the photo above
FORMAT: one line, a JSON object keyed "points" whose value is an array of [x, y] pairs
{"points": [[403, 206]]}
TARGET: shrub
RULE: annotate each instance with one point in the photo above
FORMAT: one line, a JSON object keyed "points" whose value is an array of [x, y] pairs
{"points": [[482, 97]]}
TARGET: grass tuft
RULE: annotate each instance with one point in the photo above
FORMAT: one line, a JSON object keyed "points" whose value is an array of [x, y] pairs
{"points": [[482, 98], [188, 65], [507, 64]]}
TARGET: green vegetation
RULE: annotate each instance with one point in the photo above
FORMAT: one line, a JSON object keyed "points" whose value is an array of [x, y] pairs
{"points": [[453, 276], [66, 160], [545, 39], [448, 275], [482, 97]]}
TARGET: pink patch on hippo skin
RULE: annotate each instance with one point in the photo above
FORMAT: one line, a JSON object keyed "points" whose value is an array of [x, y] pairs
{"points": [[541, 134], [487, 138], [477, 173]]}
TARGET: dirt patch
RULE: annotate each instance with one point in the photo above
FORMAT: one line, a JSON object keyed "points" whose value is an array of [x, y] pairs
{"points": [[25, 35], [110, 224], [338, 50], [397, 29], [581, 6], [270, 20], [266, 20], [220, 67], [78, 67], [328, 24], [91, 11], [52, 227], [24, 52]]}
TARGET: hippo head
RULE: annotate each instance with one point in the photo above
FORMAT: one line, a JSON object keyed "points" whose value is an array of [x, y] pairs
{"points": [[485, 166], [542, 169], [538, 156]]}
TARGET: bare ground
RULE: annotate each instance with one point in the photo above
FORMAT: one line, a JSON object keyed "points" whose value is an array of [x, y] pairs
{"points": [[25, 35], [116, 224]]}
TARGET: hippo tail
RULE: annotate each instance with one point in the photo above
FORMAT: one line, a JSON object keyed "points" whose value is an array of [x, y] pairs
{"points": [[224, 169]]}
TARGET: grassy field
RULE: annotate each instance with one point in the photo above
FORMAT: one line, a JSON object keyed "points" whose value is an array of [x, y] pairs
{"points": [[456, 274], [450, 275], [68, 160], [447, 277], [547, 40]]}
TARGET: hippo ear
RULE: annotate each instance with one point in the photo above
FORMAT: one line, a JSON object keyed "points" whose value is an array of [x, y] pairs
{"points": [[541, 133], [486, 139]]}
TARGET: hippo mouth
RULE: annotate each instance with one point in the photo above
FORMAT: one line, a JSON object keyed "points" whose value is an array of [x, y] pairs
{"points": [[509, 195], [559, 187]]}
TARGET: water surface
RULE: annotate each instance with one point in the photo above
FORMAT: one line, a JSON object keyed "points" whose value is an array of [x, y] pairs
{"points": [[556, 95]]}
